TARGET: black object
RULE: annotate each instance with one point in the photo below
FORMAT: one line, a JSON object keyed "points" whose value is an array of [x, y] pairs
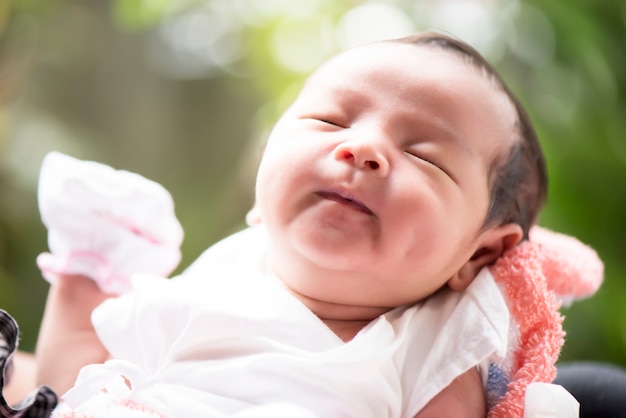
{"points": [[600, 388]]}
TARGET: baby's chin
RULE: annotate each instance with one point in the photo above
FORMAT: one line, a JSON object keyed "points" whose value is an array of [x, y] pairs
{"points": [[324, 238], [335, 256]]}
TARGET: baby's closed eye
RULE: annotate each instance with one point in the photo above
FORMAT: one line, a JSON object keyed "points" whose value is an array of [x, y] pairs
{"points": [[423, 157]]}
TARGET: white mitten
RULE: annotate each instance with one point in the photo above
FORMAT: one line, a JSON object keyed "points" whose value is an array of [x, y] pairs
{"points": [[104, 223]]}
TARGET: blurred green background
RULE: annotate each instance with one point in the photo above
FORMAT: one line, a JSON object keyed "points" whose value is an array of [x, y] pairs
{"points": [[184, 92]]}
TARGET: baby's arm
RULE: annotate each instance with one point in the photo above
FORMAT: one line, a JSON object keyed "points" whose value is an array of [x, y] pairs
{"points": [[104, 225], [463, 398], [67, 340]]}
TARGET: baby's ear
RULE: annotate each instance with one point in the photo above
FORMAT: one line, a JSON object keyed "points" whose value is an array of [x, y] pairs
{"points": [[253, 217], [492, 244]]}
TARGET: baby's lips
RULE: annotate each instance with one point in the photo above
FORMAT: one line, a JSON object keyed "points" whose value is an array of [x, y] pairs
{"points": [[345, 198]]}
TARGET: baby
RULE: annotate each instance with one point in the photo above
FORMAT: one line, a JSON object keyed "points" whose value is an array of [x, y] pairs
{"points": [[402, 170]]}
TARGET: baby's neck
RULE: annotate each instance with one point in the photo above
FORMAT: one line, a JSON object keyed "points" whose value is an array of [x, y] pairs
{"points": [[344, 320], [344, 329]]}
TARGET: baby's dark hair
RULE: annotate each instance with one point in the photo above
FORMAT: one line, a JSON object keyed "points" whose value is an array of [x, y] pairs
{"points": [[518, 180]]}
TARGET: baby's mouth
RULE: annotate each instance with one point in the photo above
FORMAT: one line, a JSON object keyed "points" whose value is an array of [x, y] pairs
{"points": [[345, 200]]}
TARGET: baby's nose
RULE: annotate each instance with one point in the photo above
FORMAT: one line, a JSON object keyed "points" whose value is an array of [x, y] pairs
{"points": [[363, 156]]}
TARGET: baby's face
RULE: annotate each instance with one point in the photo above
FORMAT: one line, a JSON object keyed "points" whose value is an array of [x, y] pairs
{"points": [[374, 184]]}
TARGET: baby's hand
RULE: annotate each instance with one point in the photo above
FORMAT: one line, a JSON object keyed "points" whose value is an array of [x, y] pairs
{"points": [[104, 223]]}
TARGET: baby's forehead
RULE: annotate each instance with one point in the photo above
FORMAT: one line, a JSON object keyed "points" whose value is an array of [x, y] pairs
{"points": [[383, 49], [394, 58]]}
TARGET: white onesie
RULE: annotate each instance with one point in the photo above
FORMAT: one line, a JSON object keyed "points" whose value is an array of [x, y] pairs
{"points": [[225, 339]]}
